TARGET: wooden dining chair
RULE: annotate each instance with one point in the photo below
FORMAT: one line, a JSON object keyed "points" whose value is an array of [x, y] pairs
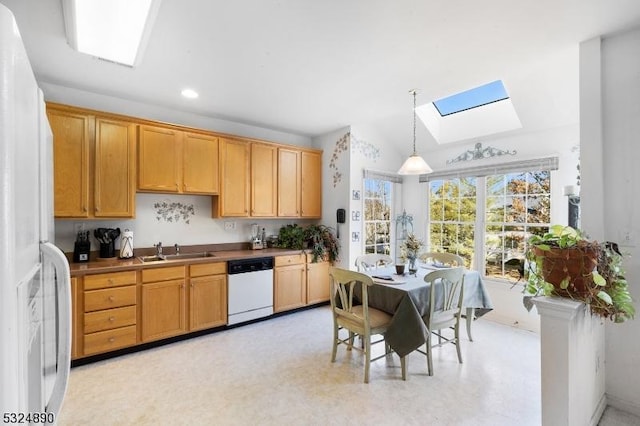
{"points": [[368, 262], [355, 316], [448, 259], [445, 310]]}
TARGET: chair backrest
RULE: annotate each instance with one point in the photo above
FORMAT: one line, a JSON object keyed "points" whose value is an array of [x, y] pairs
{"points": [[448, 259], [367, 262], [343, 295], [447, 292]]}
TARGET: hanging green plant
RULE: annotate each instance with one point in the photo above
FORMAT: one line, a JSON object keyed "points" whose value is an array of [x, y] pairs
{"points": [[322, 243], [563, 262]]}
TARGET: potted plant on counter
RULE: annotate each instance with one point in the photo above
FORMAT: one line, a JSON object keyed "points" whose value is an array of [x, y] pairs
{"points": [[319, 239], [322, 243], [564, 262]]}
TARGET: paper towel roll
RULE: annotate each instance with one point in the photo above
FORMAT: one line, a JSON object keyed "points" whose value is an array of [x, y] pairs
{"points": [[126, 244]]}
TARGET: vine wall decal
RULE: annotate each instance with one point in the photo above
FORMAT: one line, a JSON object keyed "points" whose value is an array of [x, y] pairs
{"points": [[173, 211], [365, 148]]}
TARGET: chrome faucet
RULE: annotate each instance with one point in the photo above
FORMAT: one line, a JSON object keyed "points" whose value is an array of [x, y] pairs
{"points": [[177, 248], [158, 249]]}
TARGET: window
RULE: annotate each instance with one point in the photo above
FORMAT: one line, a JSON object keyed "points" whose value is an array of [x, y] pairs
{"points": [[517, 206], [452, 210], [377, 215], [487, 218]]}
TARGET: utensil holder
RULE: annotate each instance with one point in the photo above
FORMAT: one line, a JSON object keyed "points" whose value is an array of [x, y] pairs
{"points": [[107, 250]]}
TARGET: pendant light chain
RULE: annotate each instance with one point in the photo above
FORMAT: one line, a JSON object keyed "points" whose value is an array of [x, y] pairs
{"points": [[414, 120]]}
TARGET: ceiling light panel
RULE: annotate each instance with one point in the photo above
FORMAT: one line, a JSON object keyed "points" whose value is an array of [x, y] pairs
{"points": [[115, 30]]}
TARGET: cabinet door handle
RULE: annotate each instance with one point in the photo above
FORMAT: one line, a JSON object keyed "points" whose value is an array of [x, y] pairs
{"points": [[112, 319], [112, 339], [110, 281], [111, 298]]}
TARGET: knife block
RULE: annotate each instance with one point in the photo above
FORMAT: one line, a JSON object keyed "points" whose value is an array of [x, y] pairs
{"points": [[81, 250]]}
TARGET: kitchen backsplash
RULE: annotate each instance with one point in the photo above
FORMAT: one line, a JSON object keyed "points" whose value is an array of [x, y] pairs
{"points": [[181, 219]]}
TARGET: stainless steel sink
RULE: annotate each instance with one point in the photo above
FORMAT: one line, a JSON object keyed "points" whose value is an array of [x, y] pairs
{"points": [[151, 258], [181, 256], [188, 255]]}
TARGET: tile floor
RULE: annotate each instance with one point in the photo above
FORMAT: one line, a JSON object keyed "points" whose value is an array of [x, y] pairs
{"points": [[279, 372]]}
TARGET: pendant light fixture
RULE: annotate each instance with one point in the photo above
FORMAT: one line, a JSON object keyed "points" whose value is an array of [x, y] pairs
{"points": [[414, 165]]}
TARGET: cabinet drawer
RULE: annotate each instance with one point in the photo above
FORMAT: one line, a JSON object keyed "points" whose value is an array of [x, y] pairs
{"points": [[104, 341], [109, 319], [107, 298], [208, 269], [293, 259], [115, 279], [162, 274]]}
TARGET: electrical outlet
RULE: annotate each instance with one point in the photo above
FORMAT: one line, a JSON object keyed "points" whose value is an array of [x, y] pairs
{"points": [[626, 238], [229, 226]]}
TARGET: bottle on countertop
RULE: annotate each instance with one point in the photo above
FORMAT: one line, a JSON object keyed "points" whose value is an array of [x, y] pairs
{"points": [[263, 238]]}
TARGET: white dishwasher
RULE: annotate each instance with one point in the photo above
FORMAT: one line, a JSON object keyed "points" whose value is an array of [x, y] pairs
{"points": [[250, 289]]}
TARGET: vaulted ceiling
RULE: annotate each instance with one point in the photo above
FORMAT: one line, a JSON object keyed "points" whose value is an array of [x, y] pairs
{"points": [[310, 67]]}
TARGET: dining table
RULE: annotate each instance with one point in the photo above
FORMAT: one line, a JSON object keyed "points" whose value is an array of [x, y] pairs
{"points": [[407, 299]]}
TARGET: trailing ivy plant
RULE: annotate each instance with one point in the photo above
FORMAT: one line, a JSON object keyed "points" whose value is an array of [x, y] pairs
{"points": [[605, 287], [322, 242]]}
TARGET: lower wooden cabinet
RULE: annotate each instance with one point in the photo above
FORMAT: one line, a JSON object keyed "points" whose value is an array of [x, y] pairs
{"points": [[109, 306], [207, 295], [317, 281], [75, 334], [164, 303], [299, 282]]}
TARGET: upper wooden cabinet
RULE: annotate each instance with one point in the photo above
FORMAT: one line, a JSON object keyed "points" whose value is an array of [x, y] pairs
{"points": [[200, 164], [171, 160], [289, 172], [94, 164], [264, 180], [115, 172], [102, 159], [311, 193], [159, 159], [235, 179], [299, 183], [71, 140]]}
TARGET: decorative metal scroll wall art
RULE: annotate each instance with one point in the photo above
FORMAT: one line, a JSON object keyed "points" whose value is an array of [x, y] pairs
{"points": [[478, 153]]}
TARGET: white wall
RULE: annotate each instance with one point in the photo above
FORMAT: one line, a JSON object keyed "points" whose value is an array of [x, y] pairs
{"points": [[335, 185], [150, 226], [619, 206]]}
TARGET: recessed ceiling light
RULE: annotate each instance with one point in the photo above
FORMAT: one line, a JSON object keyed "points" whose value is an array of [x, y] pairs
{"points": [[189, 93]]}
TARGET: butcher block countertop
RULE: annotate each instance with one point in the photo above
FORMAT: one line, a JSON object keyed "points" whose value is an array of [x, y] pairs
{"points": [[221, 253]]}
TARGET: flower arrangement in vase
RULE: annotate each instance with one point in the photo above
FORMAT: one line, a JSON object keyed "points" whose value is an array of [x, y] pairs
{"points": [[410, 250]]}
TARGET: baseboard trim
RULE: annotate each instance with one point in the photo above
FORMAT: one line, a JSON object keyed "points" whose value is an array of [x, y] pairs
{"points": [[624, 405], [597, 414]]}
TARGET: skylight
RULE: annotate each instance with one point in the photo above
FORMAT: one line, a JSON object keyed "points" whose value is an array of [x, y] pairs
{"points": [[481, 111], [472, 98]]}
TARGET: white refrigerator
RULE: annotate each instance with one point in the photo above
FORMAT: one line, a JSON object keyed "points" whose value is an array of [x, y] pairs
{"points": [[35, 299]]}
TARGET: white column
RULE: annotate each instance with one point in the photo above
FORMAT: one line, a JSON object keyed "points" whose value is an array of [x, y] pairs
{"points": [[572, 361]]}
